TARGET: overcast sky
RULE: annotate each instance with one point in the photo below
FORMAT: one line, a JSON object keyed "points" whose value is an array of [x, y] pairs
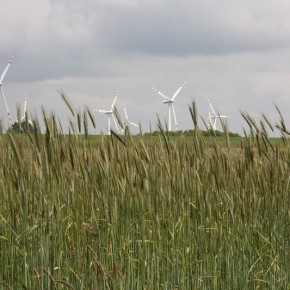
{"points": [[237, 53]]}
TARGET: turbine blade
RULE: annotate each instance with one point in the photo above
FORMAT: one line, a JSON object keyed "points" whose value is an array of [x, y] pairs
{"points": [[211, 107], [5, 70], [133, 124], [161, 94], [115, 99], [209, 114], [125, 112], [102, 111], [178, 90], [7, 109], [115, 121]]}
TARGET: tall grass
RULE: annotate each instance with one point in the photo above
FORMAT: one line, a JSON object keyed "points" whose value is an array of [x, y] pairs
{"points": [[126, 213]]}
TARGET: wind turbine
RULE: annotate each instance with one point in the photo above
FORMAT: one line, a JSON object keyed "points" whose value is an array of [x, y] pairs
{"points": [[127, 122], [1, 83], [213, 117], [170, 101], [23, 118], [110, 114]]}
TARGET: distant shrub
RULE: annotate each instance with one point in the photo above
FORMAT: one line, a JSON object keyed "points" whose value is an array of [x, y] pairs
{"points": [[21, 128]]}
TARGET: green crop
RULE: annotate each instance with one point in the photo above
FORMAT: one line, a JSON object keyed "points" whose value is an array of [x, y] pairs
{"points": [[126, 212]]}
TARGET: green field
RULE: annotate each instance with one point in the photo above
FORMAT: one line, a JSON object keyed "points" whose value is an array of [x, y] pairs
{"points": [[152, 212]]}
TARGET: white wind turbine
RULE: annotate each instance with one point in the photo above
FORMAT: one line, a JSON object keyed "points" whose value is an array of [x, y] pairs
{"points": [[127, 121], [213, 117], [1, 83], [170, 101], [23, 118], [110, 114]]}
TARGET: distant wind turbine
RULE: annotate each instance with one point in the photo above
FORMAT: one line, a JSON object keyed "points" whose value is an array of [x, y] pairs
{"points": [[127, 121], [110, 114], [170, 101], [213, 117], [1, 83], [23, 118]]}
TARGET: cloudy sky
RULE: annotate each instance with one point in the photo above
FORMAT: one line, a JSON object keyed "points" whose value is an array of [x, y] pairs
{"points": [[237, 53]]}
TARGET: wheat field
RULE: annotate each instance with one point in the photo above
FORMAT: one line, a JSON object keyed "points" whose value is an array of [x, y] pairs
{"points": [[127, 213]]}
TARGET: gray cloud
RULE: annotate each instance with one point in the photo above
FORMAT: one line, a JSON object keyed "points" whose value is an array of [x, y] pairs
{"points": [[77, 38], [192, 27]]}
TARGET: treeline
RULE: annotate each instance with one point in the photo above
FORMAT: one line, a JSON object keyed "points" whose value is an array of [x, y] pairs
{"points": [[191, 132]]}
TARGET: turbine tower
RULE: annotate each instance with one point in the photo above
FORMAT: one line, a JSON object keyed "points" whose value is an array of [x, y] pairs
{"points": [[213, 117], [170, 101], [3, 96], [110, 114], [127, 122], [24, 109]]}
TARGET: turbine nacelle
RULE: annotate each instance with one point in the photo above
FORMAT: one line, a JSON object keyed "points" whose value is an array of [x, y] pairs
{"points": [[104, 112], [168, 102]]}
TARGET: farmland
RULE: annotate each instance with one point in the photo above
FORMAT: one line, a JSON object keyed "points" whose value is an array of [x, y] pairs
{"points": [[128, 212]]}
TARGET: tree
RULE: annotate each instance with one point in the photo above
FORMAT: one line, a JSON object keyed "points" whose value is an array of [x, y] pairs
{"points": [[22, 127]]}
